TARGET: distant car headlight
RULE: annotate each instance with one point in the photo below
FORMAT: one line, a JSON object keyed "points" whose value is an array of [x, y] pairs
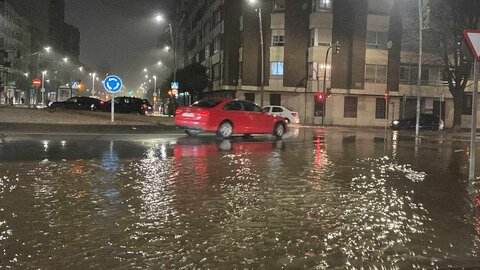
{"points": [[396, 122]]}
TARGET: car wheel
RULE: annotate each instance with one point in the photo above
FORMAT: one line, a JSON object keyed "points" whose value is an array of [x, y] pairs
{"points": [[279, 130], [192, 133], [225, 130]]}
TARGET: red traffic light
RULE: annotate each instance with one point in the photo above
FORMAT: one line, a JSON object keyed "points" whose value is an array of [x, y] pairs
{"points": [[319, 97], [385, 96]]}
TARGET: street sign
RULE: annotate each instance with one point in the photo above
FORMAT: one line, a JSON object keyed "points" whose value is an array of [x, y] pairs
{"points": [[36, 82], [473, 40], [174, 85], [112, 84]]}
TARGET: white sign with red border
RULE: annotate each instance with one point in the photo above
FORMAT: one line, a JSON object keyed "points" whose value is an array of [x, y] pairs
{"points": [[473, 40]]}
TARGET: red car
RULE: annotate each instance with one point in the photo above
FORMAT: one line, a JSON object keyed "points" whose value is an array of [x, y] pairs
{"points": [[227, 117]]}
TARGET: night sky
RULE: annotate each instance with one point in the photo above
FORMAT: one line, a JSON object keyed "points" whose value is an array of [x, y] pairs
{"points": [[120, 35]]}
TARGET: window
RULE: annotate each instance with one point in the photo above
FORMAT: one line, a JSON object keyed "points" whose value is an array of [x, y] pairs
{"points": [[275, 99], [277, 109], [409, 74], [216, 45], [207, 103], [233, 106], [266, 110], [216, 72], [250, 107], [250, 97], [278, 41], [350, 107], [321, 5], [276, 69], [380, 108], [375, 73], [278, 5], [377, 39], [217, 16], [320, 37], [467, 104]]}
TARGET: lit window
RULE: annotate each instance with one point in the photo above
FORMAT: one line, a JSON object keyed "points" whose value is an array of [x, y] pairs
{"points": [[322, 5], [278, 5], [276, 69]]}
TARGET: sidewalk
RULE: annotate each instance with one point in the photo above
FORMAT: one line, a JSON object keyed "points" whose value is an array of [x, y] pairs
{"points": [[25, 120], [18, 115]]}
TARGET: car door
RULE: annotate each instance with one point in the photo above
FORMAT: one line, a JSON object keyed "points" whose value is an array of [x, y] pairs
{"points": [[258, 121], [71, 103], [234, 112]]}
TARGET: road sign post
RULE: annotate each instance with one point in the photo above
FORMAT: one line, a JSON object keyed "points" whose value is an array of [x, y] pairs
{"points": [[112, 84], [473, 40]]}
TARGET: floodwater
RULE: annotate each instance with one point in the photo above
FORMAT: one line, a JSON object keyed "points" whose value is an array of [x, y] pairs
{"points": [[328, 199]]}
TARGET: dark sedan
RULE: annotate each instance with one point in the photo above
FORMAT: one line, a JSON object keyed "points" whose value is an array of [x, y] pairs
{"points": [[78, 103], [427, 122], [130, 105]]}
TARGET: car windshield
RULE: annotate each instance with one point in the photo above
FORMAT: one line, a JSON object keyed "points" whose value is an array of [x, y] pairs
{"points": [[207, 103]]}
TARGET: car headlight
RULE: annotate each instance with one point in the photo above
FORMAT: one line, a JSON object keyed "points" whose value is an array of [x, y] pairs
{"points": [[396, 122], [50, 104]]}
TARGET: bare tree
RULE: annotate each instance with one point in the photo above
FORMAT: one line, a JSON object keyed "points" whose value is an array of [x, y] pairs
{"points": [[449, 18]]}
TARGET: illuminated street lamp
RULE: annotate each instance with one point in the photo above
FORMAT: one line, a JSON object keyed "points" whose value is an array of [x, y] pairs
{"points": [[65, 59]]}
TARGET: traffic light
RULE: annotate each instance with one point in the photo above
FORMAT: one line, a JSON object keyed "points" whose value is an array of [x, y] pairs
{"points": [[385, 96], [336, 47], [329, 92], [319, 97]]}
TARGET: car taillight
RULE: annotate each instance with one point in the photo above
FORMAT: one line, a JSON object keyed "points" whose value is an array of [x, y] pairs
{"points": [[203, 113], [102, 102], [144, 106], [294, 114], [178, 111]]}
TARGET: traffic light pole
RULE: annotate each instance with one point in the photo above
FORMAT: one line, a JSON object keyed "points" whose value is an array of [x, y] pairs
{"points": [[325, 85]]}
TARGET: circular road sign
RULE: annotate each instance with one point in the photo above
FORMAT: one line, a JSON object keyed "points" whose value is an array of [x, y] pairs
{"points": [[37, 82], [112, 84]]}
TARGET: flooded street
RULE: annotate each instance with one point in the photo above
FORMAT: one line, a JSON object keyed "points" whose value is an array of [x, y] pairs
{"points": [[333, 199]]}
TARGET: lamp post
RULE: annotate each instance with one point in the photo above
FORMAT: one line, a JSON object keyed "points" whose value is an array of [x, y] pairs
{"points": [[43, 87], [262, 53], [155, 94], [420, 55], [93, 83]]}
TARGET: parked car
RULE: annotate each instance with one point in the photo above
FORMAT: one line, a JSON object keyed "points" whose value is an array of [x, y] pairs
{"points": [[289, 115], [427, 122], [78, 103], [227, 117], [130, 105]]}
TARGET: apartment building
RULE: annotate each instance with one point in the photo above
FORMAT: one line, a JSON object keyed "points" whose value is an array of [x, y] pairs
{"points": [[378, 56]]}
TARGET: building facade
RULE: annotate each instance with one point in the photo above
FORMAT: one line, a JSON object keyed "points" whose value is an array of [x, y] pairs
{"points": [[15, 44], [377, 57]]}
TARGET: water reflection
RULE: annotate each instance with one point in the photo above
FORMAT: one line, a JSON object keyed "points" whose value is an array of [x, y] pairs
{"points": [[343, 200]]}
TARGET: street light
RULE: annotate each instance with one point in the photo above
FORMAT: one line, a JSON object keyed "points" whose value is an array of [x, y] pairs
{"points": [[159, 18], [167, 48], [26, 74], [260, 28], [48, 49], [145, 70], [160, 63], [65, 59], [81, 69]]}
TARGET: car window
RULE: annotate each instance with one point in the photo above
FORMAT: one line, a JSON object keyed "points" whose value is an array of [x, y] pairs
{"points": [[266, 109], [207, 103], [72, 100], [251, 107], [277, 109], [233, 106]]}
